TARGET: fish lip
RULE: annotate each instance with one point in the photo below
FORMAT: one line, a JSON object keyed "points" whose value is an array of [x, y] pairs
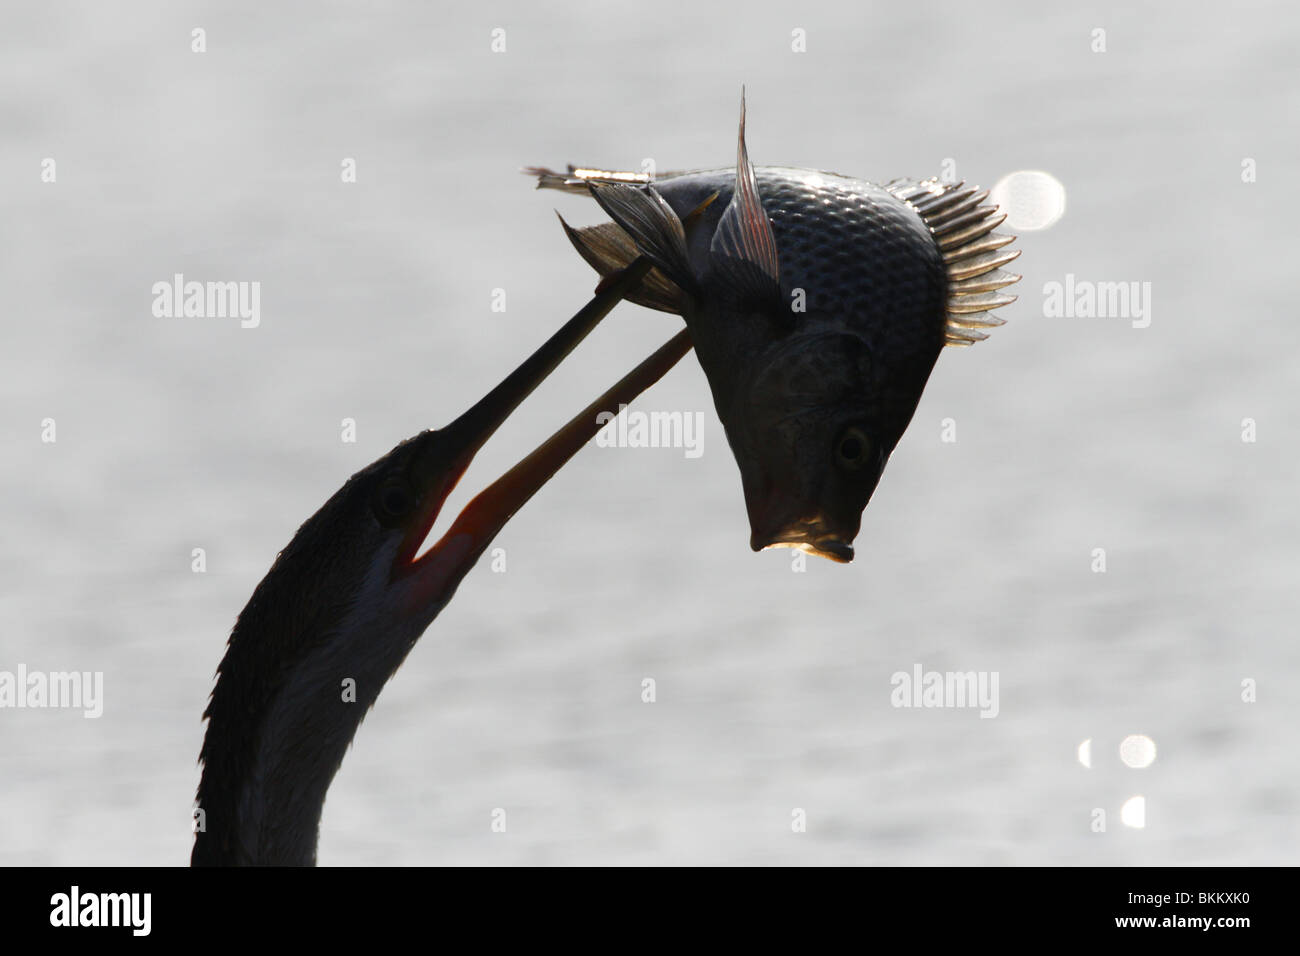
{"points": [[830, 546], [773, 523]]}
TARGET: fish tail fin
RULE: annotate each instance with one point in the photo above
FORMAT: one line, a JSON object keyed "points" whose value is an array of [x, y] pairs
{"points": [[962, 224], [608, 249]]}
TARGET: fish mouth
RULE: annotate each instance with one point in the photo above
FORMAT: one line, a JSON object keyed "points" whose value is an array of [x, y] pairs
{"points": [[812, 536]]}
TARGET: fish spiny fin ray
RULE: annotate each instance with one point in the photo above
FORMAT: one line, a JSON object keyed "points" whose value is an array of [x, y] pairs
{"points": [[744, 233], [962, 224], [576, 178], [608, 249], [650, 223]]}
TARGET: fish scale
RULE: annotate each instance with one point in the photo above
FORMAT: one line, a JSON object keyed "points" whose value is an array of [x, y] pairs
{"points": [[865, 259]]}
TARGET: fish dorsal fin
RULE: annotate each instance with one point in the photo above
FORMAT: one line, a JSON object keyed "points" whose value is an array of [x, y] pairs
{"points": [[651, 223], [962, 224], [743, 250]]}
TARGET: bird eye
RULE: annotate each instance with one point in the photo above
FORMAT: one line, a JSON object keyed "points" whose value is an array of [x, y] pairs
{"points": [[852, 449], [395, 498]]}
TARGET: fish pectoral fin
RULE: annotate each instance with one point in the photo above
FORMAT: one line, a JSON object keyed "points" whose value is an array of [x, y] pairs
{"points": [[652, 226], [608, 249], [743, 251]]}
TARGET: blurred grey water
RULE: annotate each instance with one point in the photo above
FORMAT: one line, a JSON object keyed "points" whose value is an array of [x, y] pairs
{"points": [[773, 686]]}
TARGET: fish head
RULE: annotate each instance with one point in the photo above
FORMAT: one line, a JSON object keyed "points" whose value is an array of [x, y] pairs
{"points": [[809, 438]]}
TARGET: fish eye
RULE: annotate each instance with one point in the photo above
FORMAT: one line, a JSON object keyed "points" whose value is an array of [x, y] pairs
{"points": [[395, 499], [852, 448]]}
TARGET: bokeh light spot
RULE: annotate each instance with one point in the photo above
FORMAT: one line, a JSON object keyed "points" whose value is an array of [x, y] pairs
{"points": [[1134, 812], [1137, 751], [1085, 753], [1031, 198]]}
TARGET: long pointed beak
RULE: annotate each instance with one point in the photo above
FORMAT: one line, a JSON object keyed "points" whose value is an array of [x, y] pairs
{"points": [[445, 460], [487, 514], [446, 562], [468, 433], [443, 566]]}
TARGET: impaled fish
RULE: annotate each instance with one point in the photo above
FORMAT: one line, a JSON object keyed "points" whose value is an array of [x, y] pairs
{"points": [[818, 305]]}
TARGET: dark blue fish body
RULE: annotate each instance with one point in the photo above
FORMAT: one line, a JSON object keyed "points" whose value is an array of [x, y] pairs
{"points": [[818, 305]]}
